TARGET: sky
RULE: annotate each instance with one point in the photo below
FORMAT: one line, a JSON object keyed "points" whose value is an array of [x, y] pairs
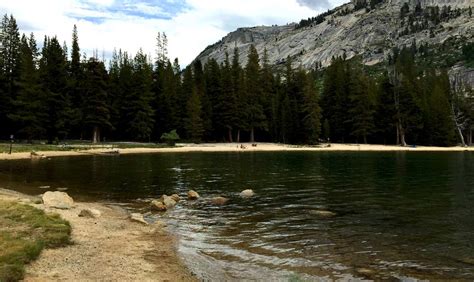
{"points": [[190, 25]]}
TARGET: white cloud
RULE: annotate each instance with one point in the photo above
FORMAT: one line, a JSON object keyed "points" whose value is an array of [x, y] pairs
{"points": [[200, 23]]}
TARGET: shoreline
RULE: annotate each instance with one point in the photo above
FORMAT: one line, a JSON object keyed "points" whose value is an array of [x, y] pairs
{"points": [[110, 247], [235, 147]]}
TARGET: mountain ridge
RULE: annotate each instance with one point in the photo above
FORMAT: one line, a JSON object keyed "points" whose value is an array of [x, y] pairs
{"points": [[360, 29]]}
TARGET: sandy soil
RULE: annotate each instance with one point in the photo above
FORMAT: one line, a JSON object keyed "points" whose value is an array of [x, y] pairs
{"points": [[234, 147], [109, 248]]}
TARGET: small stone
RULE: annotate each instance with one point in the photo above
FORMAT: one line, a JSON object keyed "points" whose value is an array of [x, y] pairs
{"points": [[365, 272], [158, 205], [219, 201], [45, 187], [193, 195], [323, 213], [138, 217], [90, 213], [247, 193], [58, 200]]}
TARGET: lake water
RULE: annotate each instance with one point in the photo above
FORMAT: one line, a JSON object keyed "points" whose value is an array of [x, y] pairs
{"points": [[402, 215]]}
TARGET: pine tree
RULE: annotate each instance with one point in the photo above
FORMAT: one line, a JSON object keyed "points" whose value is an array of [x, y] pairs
{"points": [[75, 87], [254, 111], [362, 107], [194, 122], [53, 76], [138, 113], [96, 110], [10, 59], [226, 103], [29, 112], [311, 112]]}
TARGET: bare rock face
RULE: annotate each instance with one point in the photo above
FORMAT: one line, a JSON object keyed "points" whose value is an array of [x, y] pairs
{"points": [[372, 35], [248, 193], [193, 195], [90, 213], [58, 200], [219, 201]]}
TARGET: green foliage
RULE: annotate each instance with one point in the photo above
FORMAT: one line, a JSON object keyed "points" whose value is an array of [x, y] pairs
{"points": [[171, 137]]}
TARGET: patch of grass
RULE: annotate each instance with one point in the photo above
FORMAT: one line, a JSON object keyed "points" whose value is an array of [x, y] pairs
{"points": [[25, 231]]}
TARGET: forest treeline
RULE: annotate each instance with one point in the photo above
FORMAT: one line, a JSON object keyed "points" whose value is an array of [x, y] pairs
{"points": [[56, 95]]}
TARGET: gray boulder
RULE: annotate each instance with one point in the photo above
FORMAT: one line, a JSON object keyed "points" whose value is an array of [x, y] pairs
{"points": [[58, 200]]}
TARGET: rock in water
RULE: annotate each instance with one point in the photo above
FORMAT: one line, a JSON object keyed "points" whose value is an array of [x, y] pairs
{"points": [[193, 195], [138, 217], [90, 213], [247, 193], [158, 205], [219, 201], [58, 200], [169, 202], [323, 213], [176, 197]]}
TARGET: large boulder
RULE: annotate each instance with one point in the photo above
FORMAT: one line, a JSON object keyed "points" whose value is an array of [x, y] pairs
{"points": [[219, 201], [58, 200], [193, 195], [158, 205], [138, 217], [247, 193], [90, 213]]}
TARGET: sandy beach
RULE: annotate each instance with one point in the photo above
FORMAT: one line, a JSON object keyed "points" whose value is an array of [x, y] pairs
{"points": [[237, 147], [108, 248]]}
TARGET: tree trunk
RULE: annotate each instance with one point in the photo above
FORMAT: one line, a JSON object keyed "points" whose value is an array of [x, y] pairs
{"points": [[458, 128], [398, 135], [96, 135], [238, 135], [470, 137], [252, 135], [402, 135], [365, 139], [229, 134]]}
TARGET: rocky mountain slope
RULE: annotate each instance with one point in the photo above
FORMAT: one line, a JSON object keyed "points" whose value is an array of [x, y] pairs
{"points": [[361, 28]]}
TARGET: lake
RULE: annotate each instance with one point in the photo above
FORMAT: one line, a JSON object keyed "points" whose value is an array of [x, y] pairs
{"points": [[399, 215]]}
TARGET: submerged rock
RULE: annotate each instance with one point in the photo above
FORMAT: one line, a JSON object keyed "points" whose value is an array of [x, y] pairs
{"points": [[323, 213], [158, 205], [58, 200], [138, 217], [365, 272], [219, 201], [193, 195], [90, 213], [247, 193]]}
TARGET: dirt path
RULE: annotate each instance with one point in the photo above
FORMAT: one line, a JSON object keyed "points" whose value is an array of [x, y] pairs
{"points": [[108, 248]]}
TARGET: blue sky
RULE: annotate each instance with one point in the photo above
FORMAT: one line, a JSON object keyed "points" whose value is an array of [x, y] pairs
{"points": [[191, 25]]}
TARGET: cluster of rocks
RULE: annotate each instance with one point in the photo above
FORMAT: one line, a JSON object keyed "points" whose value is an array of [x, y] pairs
{"points": [[61, 200], [166, 202]]}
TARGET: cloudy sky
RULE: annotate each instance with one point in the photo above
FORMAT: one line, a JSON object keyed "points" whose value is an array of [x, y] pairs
{"points": [[191, 25]]}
